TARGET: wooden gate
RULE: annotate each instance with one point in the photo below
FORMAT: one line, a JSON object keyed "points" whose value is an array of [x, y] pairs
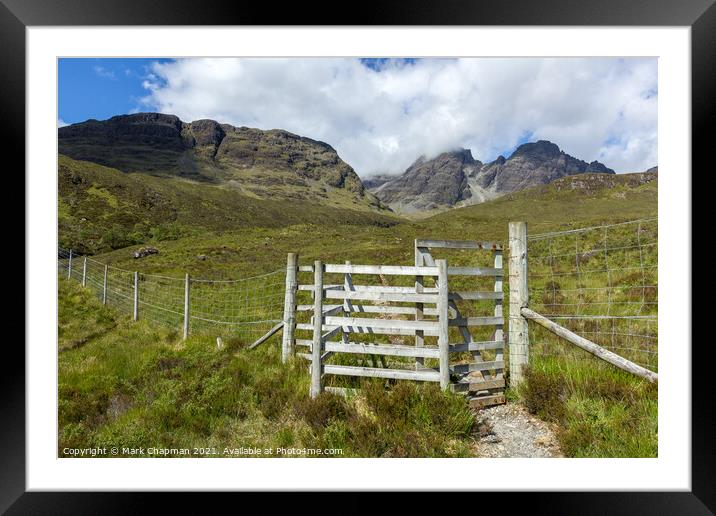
{"points": [[478, 362], [370, 309], [414, 307]]}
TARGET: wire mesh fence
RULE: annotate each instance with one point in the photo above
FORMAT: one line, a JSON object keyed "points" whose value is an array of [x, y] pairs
{"points": [[600, 282], [246, 307]]}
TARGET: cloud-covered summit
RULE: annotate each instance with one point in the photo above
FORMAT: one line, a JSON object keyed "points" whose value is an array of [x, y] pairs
{"points": [[381, 115]]}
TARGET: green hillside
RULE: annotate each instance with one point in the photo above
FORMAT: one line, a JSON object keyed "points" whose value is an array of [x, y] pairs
{"points": [[132, 383], [101, 208], [364, 237]]}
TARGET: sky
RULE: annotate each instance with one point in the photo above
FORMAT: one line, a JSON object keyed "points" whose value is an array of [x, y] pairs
{"points": [[381, 114]]}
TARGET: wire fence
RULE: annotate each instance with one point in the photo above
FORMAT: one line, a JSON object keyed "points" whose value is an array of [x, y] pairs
{"points": [[245, 307], [600, 282]]}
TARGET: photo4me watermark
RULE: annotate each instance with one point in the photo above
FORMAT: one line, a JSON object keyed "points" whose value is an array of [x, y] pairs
{"points": [[156, 451]]}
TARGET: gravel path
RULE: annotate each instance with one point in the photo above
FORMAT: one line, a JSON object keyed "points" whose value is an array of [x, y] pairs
{"points": [[510, 431]]}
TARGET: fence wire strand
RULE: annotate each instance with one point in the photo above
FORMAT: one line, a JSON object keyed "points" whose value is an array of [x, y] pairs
{"points": [[246, 308], [600, 282]]}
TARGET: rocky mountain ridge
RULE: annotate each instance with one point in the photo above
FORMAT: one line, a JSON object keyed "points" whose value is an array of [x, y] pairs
{"points": [[264, 163], [457, 179]]}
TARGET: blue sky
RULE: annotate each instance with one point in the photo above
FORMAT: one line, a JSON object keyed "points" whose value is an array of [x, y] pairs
{"points": [[100, 88], [381, 114]]}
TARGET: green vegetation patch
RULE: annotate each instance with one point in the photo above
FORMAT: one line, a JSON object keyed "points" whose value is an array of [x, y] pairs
{"points": [[139, 386], [601, 410]]}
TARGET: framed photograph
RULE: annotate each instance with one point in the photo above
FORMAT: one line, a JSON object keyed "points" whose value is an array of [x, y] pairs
{"points": [[420, 251]]}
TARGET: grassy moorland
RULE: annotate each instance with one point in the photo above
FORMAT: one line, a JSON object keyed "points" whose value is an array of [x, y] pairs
{"points": [[135, 385], [124, 382]]}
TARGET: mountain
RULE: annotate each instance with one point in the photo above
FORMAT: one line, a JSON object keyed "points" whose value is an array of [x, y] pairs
{"points": [[457, 179], [272, 164], [429, 184]]}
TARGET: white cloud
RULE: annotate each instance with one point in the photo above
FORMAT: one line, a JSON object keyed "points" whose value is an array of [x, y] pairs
{"points": [[105, 73], [61, 123], [593, 108]]}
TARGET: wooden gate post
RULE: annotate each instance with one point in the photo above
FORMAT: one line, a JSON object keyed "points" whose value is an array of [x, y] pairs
{"points": [[317, 345], [84, 272], [289, 308], [69, 266], [519, 298], [443, 332]]}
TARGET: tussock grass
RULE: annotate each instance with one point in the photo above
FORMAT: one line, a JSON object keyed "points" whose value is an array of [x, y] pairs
{"points": [[602, 411], [139, 386]]}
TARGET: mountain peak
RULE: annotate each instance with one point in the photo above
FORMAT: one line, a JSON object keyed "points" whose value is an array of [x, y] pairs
{"points": [[456, 178], [540, 148]]}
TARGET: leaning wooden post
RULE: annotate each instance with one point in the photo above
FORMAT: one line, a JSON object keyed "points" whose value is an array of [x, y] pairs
{"points": [[84, 272], [104, 286], [69, 266], [317, 347], [443, 331], [591, 347], [289, 307], [136, 295], [519, 298], [186, 305]]}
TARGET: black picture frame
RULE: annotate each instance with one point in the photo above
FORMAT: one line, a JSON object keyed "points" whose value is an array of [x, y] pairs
{"points": [[700, 15]]}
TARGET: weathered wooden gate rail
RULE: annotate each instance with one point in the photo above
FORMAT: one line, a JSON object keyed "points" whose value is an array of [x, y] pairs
{"points": [[344, 309]]}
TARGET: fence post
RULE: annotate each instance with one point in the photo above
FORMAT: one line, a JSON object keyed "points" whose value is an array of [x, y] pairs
{"points": [[69, 266], [186, 305], [289, 307], [136, 295], [443, 335], [84, 272], [317, 347], [104, 286], [519, 297]]}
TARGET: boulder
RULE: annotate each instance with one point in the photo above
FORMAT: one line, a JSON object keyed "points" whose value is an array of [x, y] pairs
{"points": [[145, 251]]}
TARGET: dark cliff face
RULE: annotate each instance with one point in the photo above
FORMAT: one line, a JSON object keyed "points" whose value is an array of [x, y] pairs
{"points": [[427, 184], [203, 149], [532, 164], [453, 177]]}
